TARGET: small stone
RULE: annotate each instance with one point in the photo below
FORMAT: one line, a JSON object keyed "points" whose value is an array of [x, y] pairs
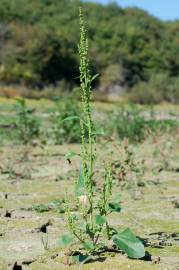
{"points": [[155, 259]]}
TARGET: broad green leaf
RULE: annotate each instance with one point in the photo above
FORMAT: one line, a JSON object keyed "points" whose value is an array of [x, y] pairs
{"points": [[88, 245], [80, 185], [65, 240], [81, 258], [129, 243], [71, 154], [100, 220], [114, 207]]}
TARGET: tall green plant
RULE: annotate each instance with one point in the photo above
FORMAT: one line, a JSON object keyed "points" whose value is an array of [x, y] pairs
{"points": [[90, 226]]}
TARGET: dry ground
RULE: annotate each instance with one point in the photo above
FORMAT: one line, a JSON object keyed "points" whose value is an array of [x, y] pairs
{"points": [[152, 211]]}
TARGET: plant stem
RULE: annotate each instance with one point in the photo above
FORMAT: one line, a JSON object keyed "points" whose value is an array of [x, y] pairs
{"points": [[88, 155]]}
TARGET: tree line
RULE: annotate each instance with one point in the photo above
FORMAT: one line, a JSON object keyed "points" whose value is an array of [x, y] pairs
{"points": [[128, 47]]}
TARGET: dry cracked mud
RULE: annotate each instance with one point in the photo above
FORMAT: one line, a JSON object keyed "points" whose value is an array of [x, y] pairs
{"points": [[42, 180]]}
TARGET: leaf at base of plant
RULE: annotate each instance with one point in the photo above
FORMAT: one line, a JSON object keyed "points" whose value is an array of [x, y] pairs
{"points": [[129, 243]]}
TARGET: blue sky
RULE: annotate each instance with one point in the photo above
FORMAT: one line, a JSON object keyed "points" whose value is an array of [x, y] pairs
{"points": [[163, 9]]}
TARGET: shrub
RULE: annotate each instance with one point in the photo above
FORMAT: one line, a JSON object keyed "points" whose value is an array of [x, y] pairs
{"points": [[159, 88]]}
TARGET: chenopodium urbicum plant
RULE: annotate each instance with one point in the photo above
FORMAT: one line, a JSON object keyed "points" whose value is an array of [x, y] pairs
{"points": [[89, 227]]}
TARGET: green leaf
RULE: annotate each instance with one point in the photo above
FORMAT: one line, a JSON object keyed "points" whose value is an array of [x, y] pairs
{"points": [[94, 77], [81, 258], [114, 207], [100, 220], [65, 240], [80, 185], [69, 118], [99, 132], [71, 154], [88, 245], [129, 243]]}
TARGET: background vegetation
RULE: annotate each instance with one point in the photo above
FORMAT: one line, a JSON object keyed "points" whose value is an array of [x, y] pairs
{"points": [[128, 47]]}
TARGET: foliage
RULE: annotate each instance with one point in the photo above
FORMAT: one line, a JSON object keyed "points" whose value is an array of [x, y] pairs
{"points": [[61, 123], [133, 123], [90, 224]]}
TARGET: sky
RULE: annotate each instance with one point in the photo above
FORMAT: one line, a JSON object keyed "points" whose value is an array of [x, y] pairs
{"points": [[163, 9]]}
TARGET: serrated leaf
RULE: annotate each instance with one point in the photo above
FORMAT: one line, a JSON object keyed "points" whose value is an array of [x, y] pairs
{"points": [[129, 243], [100, 220], [80, 185], [81, 259], [114, 207], [65, 240]]}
